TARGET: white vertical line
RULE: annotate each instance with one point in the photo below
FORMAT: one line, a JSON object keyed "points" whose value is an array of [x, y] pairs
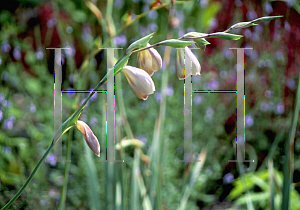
{"points": [[187, 112], [57, 103], [110, 106]]}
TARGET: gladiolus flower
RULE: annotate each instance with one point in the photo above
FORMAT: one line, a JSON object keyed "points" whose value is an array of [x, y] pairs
{"points": [[180, 64], [149, 60], [140, 82], [89, 137]]}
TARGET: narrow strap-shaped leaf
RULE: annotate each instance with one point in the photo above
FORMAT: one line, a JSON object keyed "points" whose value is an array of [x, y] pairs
{"points": [[176, 43], [226, 36], [139, 43], [265, 19]]}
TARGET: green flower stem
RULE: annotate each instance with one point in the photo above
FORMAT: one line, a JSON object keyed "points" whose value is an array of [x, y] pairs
{"points": [[139, 17], [241, 170], [200, 37], [98, 13], [110, 173], [65, 127], [288, 169], [71, 121], [123, 115], [146, 48], [159, 43], [68, 122], [30, 177], [231, 28], [66, 174], [108, 40], [158, 142]]}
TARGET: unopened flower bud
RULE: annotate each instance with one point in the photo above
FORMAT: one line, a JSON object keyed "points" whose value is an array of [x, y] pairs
{"points": [[180, 63], [149, 60], [89, 137], [140, 82]]}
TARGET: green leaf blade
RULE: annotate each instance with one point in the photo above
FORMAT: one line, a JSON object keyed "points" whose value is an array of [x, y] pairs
{"points": [[120, 65], [191, 35], [265, 19], [139, 43], [242, 25], [226, 36], [201, 43], [176, 43]]}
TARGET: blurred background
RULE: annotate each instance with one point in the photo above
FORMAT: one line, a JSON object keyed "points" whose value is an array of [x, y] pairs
{"points": [[148, 134]]}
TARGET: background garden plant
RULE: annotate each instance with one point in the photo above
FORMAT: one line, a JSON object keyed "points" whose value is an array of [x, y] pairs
{"points": [[150, 182]]}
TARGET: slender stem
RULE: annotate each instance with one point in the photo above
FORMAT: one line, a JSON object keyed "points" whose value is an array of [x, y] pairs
{"points": [[271, 181], [66, 174], [139, 17], [107, 41], [121, 104], [66, 126], [208, 35], [158, 141], [241, 170], [30, 177], [69, 122], [110, 174], [97, 13], [146, 48], [289, 153], [199, 37]]}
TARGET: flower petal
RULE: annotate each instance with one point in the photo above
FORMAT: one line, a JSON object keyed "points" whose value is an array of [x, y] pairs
{"points": [[140, 81], [144, 61], [180, 68], [180, 63], [156, 59], [149, 60], [196, 68], [89, 137]]}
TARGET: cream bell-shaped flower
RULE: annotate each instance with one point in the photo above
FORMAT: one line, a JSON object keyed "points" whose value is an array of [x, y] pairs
{"points": [[140, 82], [180, 63], [89, 137], [149, 60]]}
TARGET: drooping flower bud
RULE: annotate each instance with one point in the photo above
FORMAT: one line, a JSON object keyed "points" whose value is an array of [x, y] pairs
{"points": [[140, 82], [181, 57], [89, 137], [149, 60]]}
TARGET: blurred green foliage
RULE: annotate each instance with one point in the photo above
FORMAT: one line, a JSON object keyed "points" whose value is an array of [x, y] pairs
{"points": [[150, 175]]}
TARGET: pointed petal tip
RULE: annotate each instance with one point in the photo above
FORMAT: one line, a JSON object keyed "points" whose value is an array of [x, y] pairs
{"points": [[98, 150], [144, 98]]}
